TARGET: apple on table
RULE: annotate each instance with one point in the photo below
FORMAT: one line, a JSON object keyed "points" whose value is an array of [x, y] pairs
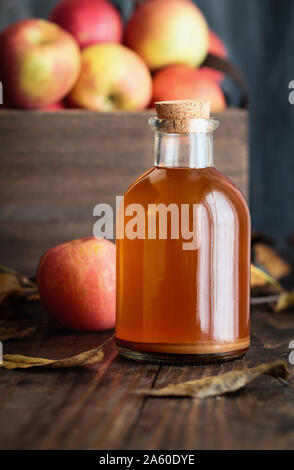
{"points": [[76, 283]]}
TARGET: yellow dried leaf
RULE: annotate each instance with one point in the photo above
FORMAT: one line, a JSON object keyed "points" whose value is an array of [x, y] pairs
{"points": [[260, 279], [286, 300], [16, 330], [220, 384], [16, 361], [9, 284], [271, 261]]}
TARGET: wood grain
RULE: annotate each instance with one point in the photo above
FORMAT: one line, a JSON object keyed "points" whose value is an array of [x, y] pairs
{"points": [[55, 167], [96, 407]]}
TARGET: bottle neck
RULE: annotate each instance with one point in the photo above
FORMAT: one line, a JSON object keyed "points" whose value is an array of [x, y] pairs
{"points": [[183, 150]]}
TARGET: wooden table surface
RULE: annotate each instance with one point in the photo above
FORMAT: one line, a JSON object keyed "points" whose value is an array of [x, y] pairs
{"points": [[97, 407]]}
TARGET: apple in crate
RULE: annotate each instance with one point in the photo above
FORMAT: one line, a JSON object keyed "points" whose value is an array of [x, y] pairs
{"points": [[112, 77], [59, 106], [39, 63], [76, 282], [89, 21], [216, 47], [168, 32], [181, 82]]}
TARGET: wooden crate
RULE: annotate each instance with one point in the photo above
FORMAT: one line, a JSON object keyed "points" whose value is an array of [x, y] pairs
{"points": [[55, 167]]}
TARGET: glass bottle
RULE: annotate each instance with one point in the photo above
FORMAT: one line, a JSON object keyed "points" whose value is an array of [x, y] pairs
{"points": [[183, 250]]}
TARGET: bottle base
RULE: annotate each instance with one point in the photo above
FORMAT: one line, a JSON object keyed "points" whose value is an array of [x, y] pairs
{"points": [[171, 358]]}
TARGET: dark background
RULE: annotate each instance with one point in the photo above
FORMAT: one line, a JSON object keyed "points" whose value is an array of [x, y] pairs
{"points": [[259, 35]]}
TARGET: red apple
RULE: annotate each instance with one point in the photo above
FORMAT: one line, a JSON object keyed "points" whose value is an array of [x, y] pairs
{"points": [[112, 77], [55, 106], [181, 82], [168, 32], [216, 47], [76, 282], [39, 63], [89, 21]]}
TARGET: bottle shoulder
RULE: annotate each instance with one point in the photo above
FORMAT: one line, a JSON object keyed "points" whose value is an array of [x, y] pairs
{"points": [[184, 183], [218, 196], [139, 181], [224, 197], [221, 183]]}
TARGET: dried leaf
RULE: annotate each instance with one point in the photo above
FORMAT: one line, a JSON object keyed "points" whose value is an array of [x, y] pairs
{"points": [[25, 281], [286, 300], [271, 261], [12, 283], [15, 361], [260, 279], [221, 384], [265, 300], [32, 297], [16, 330], [9, 285], [5, 269]]}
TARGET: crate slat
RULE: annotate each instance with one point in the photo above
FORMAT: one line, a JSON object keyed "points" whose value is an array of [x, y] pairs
{"points": [[56, 166]]}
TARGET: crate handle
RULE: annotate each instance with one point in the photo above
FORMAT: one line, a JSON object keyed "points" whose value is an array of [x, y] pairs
{"points": [[228, 68]]}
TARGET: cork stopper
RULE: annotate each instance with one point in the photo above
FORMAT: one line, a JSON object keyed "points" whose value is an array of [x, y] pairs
{"points": [[183, 109], [178, 115]]}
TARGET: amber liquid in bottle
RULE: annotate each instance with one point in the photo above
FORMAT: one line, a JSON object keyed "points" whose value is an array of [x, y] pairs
{"points": [[185, 305]]}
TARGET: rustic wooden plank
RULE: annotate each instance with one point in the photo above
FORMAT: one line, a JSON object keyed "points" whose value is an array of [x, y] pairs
{"points": [[74, 409], [258, 417], [22, 244], [68, 409], [55, 167], [96, 407], [90, 152]]}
